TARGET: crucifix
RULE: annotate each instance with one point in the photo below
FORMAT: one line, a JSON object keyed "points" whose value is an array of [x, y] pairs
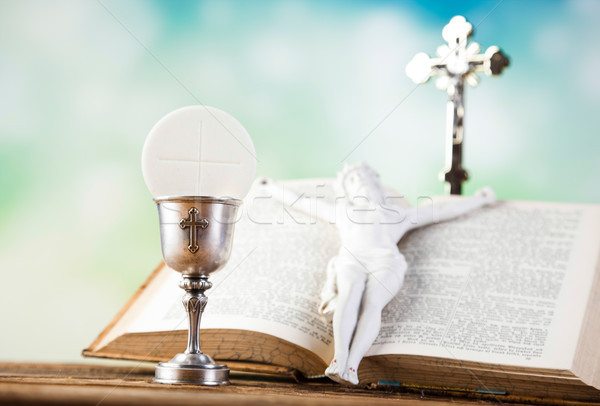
{"points": [[457, 63]]}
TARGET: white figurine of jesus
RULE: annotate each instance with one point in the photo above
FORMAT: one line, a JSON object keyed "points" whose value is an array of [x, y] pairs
{"points": [[368, 270]]}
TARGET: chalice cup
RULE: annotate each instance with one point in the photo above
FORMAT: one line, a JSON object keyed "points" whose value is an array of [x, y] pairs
{"points": [[196, 235]]}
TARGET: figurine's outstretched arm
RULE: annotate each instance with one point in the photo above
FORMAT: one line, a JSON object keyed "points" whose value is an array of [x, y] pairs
{"points": [[298, 201], [422, 216]]}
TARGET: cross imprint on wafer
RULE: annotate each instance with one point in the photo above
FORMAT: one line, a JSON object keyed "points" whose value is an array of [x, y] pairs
{"points": [[199, 161]]}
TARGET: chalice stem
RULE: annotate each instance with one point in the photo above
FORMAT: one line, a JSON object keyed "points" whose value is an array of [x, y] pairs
{"points": [[194, 302]]}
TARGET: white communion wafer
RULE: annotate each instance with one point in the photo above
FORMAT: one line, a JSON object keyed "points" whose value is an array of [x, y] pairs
{"points": [[198, 151]]}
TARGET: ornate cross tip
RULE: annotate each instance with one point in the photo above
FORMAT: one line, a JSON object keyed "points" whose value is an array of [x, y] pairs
{"points": [[457, 62], [457, 57]]}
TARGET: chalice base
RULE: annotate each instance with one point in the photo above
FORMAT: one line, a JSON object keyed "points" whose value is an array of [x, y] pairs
{"points": [[197, 369]]}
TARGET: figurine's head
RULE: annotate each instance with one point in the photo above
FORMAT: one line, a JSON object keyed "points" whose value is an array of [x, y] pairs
{"points": [[359, 182]]}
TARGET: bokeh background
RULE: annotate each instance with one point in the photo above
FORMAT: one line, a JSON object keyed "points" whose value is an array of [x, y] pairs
{"points": [[315, 83]]}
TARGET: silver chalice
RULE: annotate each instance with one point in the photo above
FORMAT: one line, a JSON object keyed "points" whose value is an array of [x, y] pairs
{"points": [[196, 236]]}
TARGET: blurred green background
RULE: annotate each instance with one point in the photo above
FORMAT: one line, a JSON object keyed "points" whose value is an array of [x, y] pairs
{"points": [[82, 83]]}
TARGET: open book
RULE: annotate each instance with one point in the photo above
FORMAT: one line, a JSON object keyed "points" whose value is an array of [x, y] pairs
{"points": [[503, 300]]}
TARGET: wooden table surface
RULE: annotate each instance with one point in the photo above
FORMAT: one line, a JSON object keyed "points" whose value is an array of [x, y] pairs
{"points": [[69, 384]]}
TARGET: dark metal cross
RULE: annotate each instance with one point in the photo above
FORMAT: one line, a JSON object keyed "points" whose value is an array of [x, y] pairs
{"points": [[192, 223], [457, 63]]}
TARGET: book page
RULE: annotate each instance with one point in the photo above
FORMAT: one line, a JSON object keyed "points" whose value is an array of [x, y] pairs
{"points": [[272, 281], [506, 284]]}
